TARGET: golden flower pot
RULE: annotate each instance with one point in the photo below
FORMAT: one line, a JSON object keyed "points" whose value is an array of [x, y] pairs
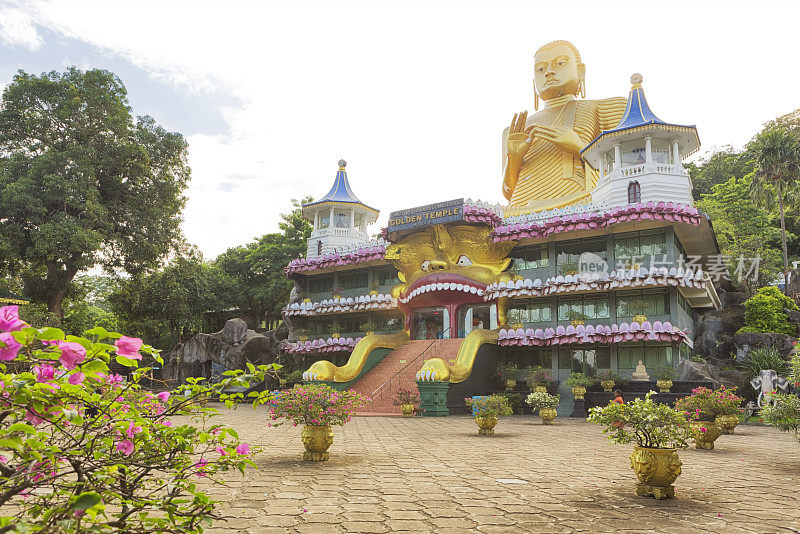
{"points": [[608, 385], [540, 389], [317, 440], [510, 384], [727, 423], [486, 424], [664, 385], [578, 392], [705, 433], [407, 409], [548, 415], [639, 318], [656, 470]]}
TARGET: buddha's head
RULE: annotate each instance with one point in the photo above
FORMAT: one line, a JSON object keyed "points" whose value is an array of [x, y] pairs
{"points": [[558, 70]]}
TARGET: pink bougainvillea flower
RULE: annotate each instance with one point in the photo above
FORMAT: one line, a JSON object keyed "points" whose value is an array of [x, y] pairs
{"points": [[166, 422], [201, 472], [129, 347], [163, 396], [3, 459], [133, 429], [9, 319], [125, 447], [9, 348], [76, 378], [221, 451], [33, 418], [72, 354], [44, 373], [243, 448]]}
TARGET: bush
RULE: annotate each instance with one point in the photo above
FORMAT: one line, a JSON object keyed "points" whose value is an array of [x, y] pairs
{"points": [[766, 312], [705, 405], [496, 405], [578, 379], [783, 413], [644, 422], [537, 376], [507, 371], [84, 450], [764, 358], [314, 405], [537, 400], [666, 373], [405, 396], [608, 375], [515, 400]]}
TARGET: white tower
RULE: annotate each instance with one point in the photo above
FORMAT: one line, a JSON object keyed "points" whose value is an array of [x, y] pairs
{"points": [[339, 218], [640, 159]]}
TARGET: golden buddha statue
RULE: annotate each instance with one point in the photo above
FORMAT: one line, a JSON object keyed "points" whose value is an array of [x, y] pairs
{"points": [[544, 169]]}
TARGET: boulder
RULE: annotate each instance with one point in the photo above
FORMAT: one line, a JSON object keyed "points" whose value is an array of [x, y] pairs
{"points": [[234, 331], [715, 329], [746, 341], [691, 370]]}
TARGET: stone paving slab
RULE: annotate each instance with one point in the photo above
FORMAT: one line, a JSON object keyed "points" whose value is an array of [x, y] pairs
{"points": [[389, 474]]}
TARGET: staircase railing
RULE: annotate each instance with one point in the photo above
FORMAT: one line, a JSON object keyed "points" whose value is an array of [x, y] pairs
{"points": [[435, 344]]}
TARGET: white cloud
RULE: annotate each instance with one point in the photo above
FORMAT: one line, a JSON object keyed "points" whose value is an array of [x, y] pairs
{"points": [[414, 95], [16, 27]]}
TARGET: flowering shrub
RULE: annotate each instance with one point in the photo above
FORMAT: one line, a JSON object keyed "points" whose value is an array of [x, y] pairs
{"points": [[644, 422], [704, 404], [783, 412], [84, 450], [405, 396], [609, 376], [496, 405], [537, 376], [507, 371], [314, 405], [537, 400]]}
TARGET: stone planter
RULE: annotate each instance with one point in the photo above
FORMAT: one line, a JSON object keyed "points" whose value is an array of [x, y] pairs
{"points": [[511, 384], [548, 415], [608, 385], [664, 385], [705, 433], [727, 423], [656, 470], [317, 440], [407, 409], [578, 392], [486, 424]]}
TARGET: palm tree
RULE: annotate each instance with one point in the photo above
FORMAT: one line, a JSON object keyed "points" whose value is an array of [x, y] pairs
{"points": [[777, 156]]}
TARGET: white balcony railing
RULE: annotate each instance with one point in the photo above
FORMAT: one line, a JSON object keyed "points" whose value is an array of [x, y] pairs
{"points": [[341, 232]]}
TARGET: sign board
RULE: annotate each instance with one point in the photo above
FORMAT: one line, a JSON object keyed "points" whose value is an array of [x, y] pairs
{"points": [[439, 213]]}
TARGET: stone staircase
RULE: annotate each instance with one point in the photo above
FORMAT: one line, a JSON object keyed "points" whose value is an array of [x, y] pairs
{"points": [[399, 370]]}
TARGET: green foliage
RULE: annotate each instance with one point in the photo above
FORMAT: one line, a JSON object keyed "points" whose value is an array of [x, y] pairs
{"points": [[496, 405], [783, 412], [538, 400], [405, 396], [507, 371], [666, 373], [706, 404], [766, 312], [314, 405], [644, 422], [368, 326], [718, 168], [83, 183], [608, 375], [515, 400], [764, 358], [575, 315], [578, 379], [537, 376]]}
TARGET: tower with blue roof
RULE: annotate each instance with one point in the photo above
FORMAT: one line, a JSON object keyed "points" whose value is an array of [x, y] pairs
{"points": [[640, 159], [340, 219]]}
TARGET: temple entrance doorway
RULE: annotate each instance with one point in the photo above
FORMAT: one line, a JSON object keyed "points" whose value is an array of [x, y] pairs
{"points": [[431, 323], [473, 317]]}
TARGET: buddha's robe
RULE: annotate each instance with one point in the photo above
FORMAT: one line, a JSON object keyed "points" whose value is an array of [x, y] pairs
{"points": [[551, 178]]}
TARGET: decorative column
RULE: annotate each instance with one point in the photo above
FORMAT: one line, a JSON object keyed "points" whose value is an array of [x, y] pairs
{"points": [[316, 220], [331, 219], [617, 157], [352, 218], [676, 155], [648, 149]]}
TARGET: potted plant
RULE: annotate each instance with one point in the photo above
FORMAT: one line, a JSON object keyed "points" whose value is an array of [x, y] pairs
{"points": [[538, 378], [336, 293], [318, 407], [301, 334], [334, 330], [374, 288], [369, 327], [507, 373], [730, 408], [545, 403], [516, 402], [407, 400], [577, 318], [579, 383], [658, 430], [639, 307], [664, 378], [486, 410], [608, 379], [702, 407], [569, 268]]}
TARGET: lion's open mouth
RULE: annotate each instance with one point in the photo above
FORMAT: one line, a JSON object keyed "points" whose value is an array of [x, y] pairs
{"points": [[442, 282]]}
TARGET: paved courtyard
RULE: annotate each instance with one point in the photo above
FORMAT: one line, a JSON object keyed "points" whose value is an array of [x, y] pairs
{"points": [[437, 475]]}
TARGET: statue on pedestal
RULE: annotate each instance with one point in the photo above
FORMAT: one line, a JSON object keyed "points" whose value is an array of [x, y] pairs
{"points": [[544, 169], [640, 373]]}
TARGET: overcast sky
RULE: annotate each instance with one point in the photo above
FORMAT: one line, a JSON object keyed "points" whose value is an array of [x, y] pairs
{"points": [[414, 95]]}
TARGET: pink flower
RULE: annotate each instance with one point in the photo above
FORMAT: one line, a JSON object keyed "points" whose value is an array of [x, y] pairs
{"points": [[3, 459], [44, 373], [166, 422], [132, 430], [221, 451], [9, 319], [33, 417], [163, 396], [76, 378], [125, 447], [114, 379], [129, 347], [9, 348], [243, 448], [72, 354]]}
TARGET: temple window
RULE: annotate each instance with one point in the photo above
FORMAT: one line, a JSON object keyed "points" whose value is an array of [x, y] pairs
{"points": [[647, 302], [319, 248], [358, 221], [341, 219], [320, 284], [534, 312], [653, 356], [634, 192], [662, 152], [633, 152], [387, 277], [584, 360], [324, 221], [530, 258], [568, 254], [640, 244], [525, 356], [354, 280], [594, 307]]}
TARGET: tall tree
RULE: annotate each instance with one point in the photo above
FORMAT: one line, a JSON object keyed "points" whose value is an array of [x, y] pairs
{"points": [[777, 157], [83, 183]]}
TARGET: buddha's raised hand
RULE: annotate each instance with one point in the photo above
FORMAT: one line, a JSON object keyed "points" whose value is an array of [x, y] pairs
{"points": [[518, 140], [564, 138]]}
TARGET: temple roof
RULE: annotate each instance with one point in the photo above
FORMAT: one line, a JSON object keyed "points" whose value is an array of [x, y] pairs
{"points": [[340, 191]]}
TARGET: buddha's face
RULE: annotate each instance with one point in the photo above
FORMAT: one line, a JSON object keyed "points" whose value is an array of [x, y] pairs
{"points": [[556, 72]]}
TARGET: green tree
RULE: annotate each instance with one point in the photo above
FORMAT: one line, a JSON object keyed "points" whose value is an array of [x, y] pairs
{"points": [[83, 183], [766, 312], [777, 157], [718, 168]]}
